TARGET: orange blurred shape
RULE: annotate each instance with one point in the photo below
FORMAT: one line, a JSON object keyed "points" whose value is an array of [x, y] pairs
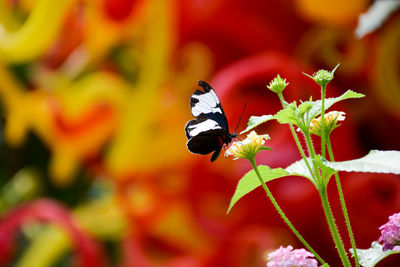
{"points": [[84, 117], [163, 216], [108, 23], [69, 37], [331, 12], [70, 139], [76, 140]]}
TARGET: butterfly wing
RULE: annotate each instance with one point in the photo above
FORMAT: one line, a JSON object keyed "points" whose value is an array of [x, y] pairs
{"points": [[206, 104], [209, 131], [205, 136]]}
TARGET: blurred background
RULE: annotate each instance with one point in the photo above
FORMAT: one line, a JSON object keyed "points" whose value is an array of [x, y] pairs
{"points": [[94, 97]]}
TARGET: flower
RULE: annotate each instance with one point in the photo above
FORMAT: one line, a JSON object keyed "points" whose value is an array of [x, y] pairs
{"points": [[287, 257], [249, 147], [331, 122], [390, 233], [277, 85]]}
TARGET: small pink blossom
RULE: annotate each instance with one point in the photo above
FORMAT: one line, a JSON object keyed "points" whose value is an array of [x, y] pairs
{"points": [[287, 257], [390, 233]]}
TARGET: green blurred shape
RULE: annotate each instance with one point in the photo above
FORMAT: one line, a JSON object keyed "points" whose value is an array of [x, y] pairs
{"points": [[25, 185]]}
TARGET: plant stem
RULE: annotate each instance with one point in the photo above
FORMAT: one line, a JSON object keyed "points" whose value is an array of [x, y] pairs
{"points": [[323, 89], [342, 202], [332, 227], [321, 186], [296, 139], [318, 177], [281, 213]]}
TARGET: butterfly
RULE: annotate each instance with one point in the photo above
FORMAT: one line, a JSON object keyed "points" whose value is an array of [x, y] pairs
{"points": [[209, 131]]}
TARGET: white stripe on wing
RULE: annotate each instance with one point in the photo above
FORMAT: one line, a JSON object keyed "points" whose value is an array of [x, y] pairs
{"points": [[203, 127]]}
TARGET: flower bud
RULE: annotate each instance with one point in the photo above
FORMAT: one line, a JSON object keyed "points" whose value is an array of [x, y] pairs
{"points": [[323, 77], [277, 85]]}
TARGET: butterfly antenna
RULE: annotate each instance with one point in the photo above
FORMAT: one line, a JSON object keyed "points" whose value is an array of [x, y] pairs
{"points": [[240, 118]]}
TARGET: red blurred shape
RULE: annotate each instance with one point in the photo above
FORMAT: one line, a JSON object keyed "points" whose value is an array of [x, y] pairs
{"points": [[119, 10]]}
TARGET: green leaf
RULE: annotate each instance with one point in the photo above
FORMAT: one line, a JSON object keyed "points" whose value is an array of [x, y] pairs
{"points": [[303, 107], [250, 181], [299, 168], [325, 169], [317, 105], [370, 257], [254, 121], [288, 115], [375, 161]]}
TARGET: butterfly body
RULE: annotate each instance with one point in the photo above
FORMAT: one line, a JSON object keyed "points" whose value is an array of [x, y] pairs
{"points": [[209, 131]]}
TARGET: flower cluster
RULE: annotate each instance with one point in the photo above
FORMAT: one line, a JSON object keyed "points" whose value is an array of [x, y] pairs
{"points": [[331, 122], [287, 257], [390, 233], [247, 148]]}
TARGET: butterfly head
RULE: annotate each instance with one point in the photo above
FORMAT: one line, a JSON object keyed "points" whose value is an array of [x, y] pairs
{"points": [[232, 136]]}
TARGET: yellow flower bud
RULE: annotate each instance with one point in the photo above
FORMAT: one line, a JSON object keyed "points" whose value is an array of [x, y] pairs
{"points": [[331, 122]]}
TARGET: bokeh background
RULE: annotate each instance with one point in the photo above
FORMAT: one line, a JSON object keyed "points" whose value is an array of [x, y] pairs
{"points": [[94, 97]]}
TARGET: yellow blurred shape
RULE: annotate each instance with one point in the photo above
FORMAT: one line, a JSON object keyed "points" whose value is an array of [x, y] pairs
{"points": [[332, 12], [36, 34], [141, 200], [179, 228], [63, 165], [103, 217], [46, 248], [147, 135], [387, 80], [74, 121]]}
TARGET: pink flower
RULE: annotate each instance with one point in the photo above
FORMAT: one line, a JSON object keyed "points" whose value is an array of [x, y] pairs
{"points": [[390, 233], [287, 257]]}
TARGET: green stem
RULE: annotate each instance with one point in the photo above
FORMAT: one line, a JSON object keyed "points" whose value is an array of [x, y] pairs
{"points": [[296, 139], [281, 213], [318, 177], [323, 89], [332, 227], [321, 186], [343, 203], [303, 155]]}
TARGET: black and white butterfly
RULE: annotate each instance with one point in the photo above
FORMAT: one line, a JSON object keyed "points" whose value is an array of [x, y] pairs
{"points": [[209, 131]]}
